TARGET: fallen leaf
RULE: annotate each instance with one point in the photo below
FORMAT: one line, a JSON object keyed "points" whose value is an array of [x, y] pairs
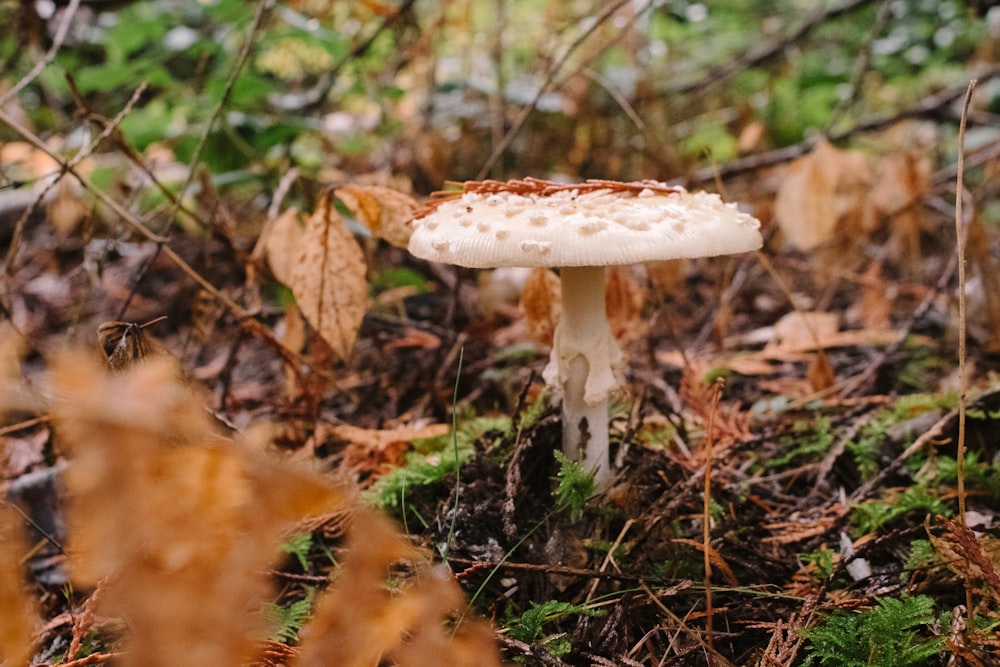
{"points": [[371, 452], [178, 523], [386, 212], [820, 373], [821, 194], [875, 307], [328, 278], [18, 619], [625, 297], [541, 302], [279, 243], [803, 330]]}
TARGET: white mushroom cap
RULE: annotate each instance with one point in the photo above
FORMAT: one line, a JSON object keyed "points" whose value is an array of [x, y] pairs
{"points": [[585, 226]]}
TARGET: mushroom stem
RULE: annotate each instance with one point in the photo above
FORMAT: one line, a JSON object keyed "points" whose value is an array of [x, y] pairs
{"points": [[585, 355]]}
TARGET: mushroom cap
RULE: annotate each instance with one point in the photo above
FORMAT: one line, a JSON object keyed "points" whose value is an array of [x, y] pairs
{"points": [[595, 224]]}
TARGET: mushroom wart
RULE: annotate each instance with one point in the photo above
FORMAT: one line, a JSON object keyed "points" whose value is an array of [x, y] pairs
{"points": [[580, 229]]}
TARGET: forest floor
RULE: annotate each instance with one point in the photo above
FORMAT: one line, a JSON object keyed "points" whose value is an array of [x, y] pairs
{"points": [[831, 432]]}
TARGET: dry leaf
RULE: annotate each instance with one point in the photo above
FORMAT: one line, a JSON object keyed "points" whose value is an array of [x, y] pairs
{"points": [[901, 181], [328, 279], [360, 621], [386, 212], [541, 302], [875, 308], [625, 297], [819, 191], [66, 211], [279, 242], [18, 618], [181, 524], [803, 330], [372, 452], [820, 373]]}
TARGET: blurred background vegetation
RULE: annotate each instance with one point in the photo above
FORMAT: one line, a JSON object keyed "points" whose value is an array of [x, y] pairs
{"points": [[433, 90]]}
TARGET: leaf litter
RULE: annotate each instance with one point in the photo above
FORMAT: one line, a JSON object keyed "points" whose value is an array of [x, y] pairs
{"points": [[175, 517]]}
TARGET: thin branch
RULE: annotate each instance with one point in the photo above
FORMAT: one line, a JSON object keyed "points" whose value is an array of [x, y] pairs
{"points": [[258, 20], [861, 63], [961, 236], [554, 69], [87, 150], [717, 75], [57, 42], [121, 212], [930, 105]]}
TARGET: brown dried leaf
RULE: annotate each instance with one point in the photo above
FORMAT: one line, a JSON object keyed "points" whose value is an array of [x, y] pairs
{"points": [[386, 212], [875, 307], [541, 302], [360, 622], [800, 330], [820, 190], [805, 206], [279, 243], [328, 279], [18, 619], [976, 558], [625, 297], [182, 523], [371, 452], [820, 373]]}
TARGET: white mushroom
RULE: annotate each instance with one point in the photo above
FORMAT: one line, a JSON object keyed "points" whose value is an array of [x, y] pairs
{"points": [[626, 223]]}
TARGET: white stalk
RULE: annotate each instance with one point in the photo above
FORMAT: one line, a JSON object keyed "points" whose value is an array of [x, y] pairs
{"points": [[585, 357]]}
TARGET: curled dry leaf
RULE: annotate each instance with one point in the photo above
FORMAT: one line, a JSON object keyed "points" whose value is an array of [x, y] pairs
{"points": [[541, 302], [386, 212], [360, 621], [328, 278], [179, 523], [625, 297], [818, 191], [17, 614], [279, 244]]}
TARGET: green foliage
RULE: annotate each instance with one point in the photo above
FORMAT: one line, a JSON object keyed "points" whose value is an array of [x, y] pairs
{"points": [[431, 461], [809, 441], [575, 486], [887, 635], [529, 626], [922, 554], [979, 475], [287, 621], [822, 561], [299, 545], [871, 515]]}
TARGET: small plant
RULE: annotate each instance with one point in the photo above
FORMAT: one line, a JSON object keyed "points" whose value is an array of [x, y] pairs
{"points": [[873, 514], [576, 485], [921, 555], [810, 440], [887, 635], [298, 545], [432, 460], [287, 621], [822, 562], [529, 626]]}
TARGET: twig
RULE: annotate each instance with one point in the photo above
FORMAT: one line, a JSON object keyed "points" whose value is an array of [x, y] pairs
{"points": [[57, 42], [123, 213], [717, 75], [554, 69], [960, 240], [706, 515], [15, 242], [928, 105], [882, 17]]}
